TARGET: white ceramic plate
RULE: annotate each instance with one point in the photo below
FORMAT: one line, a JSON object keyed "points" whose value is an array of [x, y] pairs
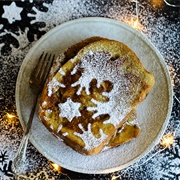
{"points": [[153, 113]]}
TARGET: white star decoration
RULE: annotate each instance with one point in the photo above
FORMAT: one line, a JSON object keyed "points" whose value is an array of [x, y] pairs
{"points": [[12, 12], [69, 109]]}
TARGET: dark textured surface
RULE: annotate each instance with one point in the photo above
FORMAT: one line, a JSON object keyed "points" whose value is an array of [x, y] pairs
{"points": [[160, 23]]}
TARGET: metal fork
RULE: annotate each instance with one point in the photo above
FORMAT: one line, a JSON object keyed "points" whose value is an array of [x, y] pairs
{"points": [[36, 83]]}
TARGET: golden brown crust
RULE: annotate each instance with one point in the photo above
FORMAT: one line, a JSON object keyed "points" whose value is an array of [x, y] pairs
{"points": [[74, 49]]}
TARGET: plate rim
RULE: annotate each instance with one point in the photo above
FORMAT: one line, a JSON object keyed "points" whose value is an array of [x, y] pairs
{"points": [[161, 60]]}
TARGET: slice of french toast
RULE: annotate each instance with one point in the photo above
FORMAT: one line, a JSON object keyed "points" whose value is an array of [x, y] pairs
{"points": [[130, 129], [93, 94]]}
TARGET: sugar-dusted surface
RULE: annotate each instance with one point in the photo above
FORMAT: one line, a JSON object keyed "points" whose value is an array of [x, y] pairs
{"points": [[160, 24], [98, 66], [89, 140], [122, 88], [69, 109]]}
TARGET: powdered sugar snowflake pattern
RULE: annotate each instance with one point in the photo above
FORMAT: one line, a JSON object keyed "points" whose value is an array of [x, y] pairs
{"points": [[53, 85], [69, 109], [110, 108], [89, 140], [94, 70], [99, 66]]}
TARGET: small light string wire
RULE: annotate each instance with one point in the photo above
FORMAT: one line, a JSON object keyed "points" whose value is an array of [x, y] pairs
{"points": [[135, 23], [137, 8], [176, 99], [172, 5]]}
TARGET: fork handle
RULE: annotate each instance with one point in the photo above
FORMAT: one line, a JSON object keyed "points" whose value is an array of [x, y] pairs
{"points": [[20, 157]]}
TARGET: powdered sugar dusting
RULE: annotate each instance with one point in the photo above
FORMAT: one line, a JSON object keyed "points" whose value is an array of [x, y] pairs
{"points": [[59, 128], [99, 66], [65, 134], [52, 85], [44, 103], [89, 139], [69, 109], [74, 72], [51, 126], [45, 118], [61, 71], [92, 68], [14, 12], [49, 111]]}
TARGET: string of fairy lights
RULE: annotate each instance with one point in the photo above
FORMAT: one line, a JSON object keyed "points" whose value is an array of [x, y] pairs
{"points": [[167, 141]]}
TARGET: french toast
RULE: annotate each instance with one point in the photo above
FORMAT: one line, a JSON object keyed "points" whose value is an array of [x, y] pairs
{"points": [[129, 130], [93, 93]]}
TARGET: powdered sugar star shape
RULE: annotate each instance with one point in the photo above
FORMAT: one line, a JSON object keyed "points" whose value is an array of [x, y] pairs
{"points": [[69, 109], [12, 12]]}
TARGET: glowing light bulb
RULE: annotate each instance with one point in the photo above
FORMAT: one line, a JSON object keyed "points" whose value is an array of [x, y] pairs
{"points": [[114, 177], [56, 167], [133, 20], [157, 3], [167, 140], [135, 23], [10, 116]]}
